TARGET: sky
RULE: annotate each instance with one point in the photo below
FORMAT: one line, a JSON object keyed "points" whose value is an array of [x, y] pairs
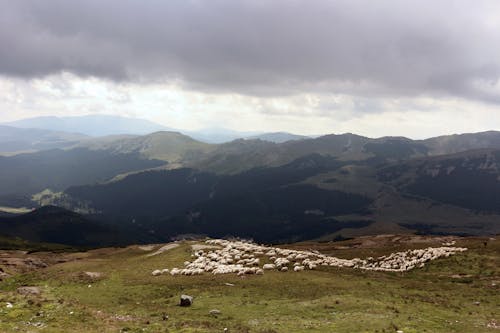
{"points": [[415, 68]]}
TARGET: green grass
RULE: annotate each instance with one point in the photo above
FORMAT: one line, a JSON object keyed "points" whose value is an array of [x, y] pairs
{"points": [[438, 298]]}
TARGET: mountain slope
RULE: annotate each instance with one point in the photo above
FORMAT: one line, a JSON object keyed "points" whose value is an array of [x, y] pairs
{"points": [[180, 201], [468, 179], [148, 194], [57, 169], [241, 155], [51, 224], [159, 193], [450, 144]]}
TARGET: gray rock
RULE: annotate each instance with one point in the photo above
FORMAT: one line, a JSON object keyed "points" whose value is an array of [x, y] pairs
{"points": [[28, 290], [186, 300], [93, 275], [214, 312]]}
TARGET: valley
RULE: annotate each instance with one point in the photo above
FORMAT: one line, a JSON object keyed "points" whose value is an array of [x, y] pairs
{"points": [[156, 186]]}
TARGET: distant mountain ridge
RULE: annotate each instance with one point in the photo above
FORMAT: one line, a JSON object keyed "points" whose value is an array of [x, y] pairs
{"points": [[106, 125], [13, 139], [449, 144], [92, 125], [278, 137], [165, 145]]}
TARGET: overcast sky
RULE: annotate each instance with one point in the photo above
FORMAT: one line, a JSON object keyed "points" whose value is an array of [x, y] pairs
{"points": [[414, 68]]}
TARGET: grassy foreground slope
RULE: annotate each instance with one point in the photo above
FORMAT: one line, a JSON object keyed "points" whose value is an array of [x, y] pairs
{"points": [[455, 294]]}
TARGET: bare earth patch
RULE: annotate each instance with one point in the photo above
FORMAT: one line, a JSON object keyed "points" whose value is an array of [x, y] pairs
{"points": [[164, 248], [146, 247]]}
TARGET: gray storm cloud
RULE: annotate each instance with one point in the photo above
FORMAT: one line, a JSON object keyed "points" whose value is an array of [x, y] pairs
{"points": [[389, 48]]}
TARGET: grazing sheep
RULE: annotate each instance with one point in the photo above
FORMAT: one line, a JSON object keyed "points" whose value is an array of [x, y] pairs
{"points": [[240, 257]]}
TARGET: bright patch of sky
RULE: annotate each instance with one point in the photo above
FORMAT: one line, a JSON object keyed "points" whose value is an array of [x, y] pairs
{"points": [[311, 114]]}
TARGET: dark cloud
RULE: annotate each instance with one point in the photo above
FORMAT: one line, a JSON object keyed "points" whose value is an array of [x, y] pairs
{"points": [[394, 48]]}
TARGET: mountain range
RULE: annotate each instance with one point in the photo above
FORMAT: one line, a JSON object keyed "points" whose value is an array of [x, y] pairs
{"points": [[164, 184], [108, 125]]}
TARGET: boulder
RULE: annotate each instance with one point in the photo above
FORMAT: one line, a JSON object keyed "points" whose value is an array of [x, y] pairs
{"points": [[186, 300]]}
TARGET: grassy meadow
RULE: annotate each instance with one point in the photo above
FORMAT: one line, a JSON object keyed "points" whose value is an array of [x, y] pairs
{"points": [[455, 294]]}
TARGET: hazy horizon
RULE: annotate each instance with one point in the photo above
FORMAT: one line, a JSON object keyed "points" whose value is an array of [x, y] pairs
{"points": [[215, 129]]}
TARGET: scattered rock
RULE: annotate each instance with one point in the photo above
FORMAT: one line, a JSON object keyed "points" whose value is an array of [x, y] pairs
{"points": [[493, 324], [214, 312], [9, 305], [93, 275], [36, 263], [28, 290], [186, 300], [123, 317], [477, 303], [3, 275]]}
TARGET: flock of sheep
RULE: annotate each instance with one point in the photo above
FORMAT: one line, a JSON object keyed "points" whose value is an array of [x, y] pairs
{"points": [[221, 256]]}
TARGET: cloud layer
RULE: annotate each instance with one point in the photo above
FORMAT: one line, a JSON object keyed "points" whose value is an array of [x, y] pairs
{"points": [[446, 48]]}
